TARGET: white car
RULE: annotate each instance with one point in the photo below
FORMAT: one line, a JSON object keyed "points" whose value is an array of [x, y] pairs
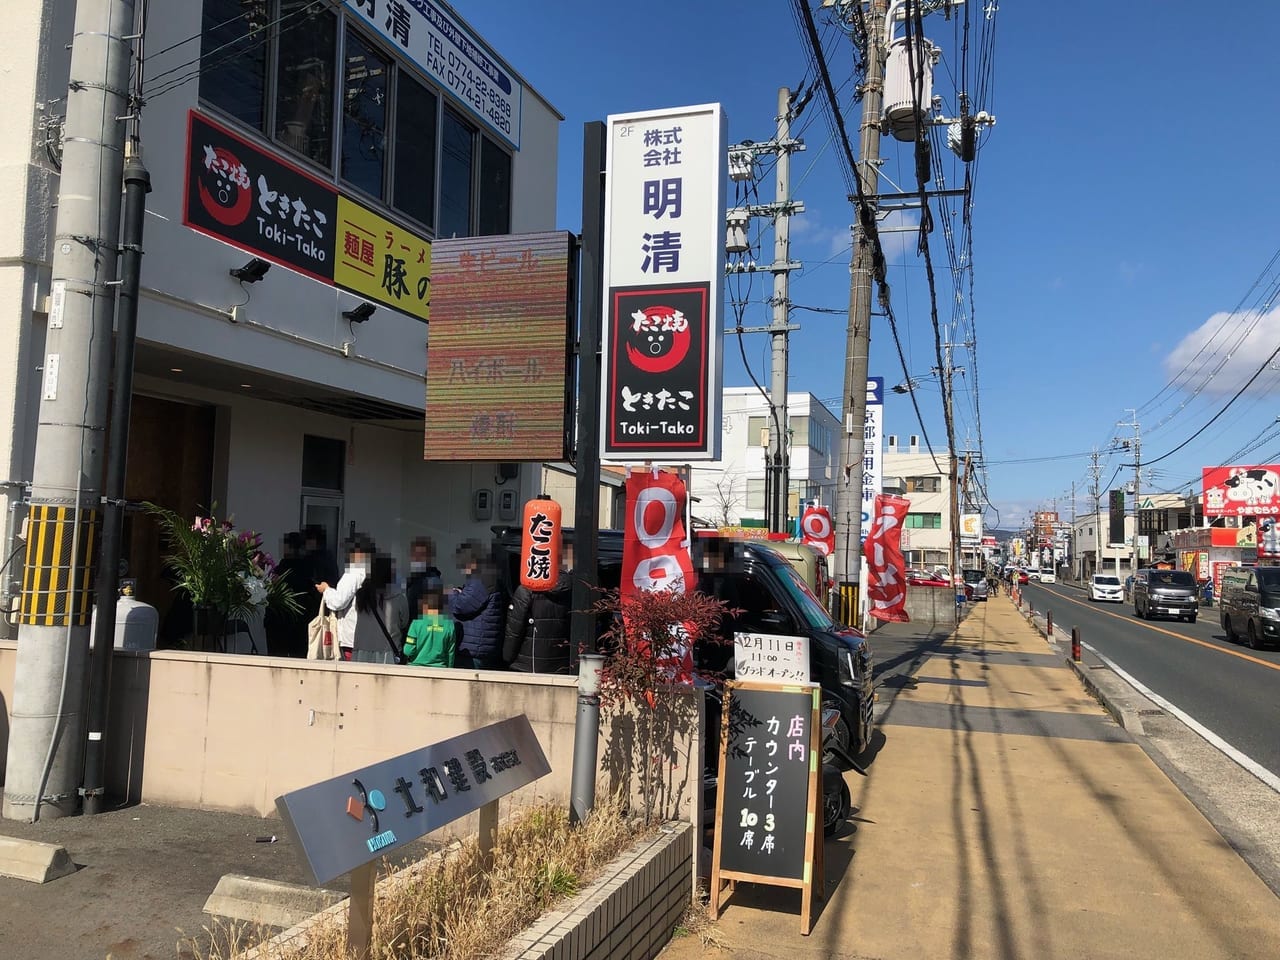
{"points": [[1033, 575], [1048, 576], [1105, 586]]}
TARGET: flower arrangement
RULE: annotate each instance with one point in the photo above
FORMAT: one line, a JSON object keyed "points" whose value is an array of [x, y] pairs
{"points": [[221, 568]]}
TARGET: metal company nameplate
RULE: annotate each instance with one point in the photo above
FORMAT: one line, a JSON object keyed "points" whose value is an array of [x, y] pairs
{"points": [[349, 820]]}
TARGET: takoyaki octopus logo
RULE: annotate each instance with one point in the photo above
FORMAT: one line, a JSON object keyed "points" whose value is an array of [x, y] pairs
{"points": [[658, 339], [225, 192]]}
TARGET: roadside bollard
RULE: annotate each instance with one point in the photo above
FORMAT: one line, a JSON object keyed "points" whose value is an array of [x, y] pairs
{"points": [[1048, 630], [1075, 644]]}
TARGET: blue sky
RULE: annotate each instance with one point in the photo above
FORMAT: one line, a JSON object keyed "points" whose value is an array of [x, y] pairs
{"points": [[1124, 207]]}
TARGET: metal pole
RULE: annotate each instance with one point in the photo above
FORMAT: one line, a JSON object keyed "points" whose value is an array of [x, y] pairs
{"points": [[779, 454], [137, 184], [586, 515], [47, 724], [849, 495], [586, 738]]}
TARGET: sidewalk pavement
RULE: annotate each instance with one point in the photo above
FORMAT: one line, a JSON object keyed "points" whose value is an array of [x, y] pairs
{"points": [[1007, 816]]}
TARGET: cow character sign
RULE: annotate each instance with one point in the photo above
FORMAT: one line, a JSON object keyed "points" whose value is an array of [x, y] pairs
{"points": [[886, 579], [1242, 491]]}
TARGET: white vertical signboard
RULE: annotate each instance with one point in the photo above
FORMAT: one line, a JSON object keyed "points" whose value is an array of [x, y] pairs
{"points": [[663, 285], [872, 452]]}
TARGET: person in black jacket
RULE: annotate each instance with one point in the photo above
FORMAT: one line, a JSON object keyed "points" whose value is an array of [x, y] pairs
{"points": [[479, 607], [537, 638], [424, 575]]}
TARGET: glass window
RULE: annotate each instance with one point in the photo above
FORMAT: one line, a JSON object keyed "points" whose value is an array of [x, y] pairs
{"points": [[755, 495], [799, 427], [923, 521], [323, 461], [233, 58], [924, 484], [304, 79], [810, 607], [415, 183], [364, 120], [495, 189], [757, 431], [455, 176]]}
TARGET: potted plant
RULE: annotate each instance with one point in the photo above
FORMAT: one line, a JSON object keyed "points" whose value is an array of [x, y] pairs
{"points": [[225, 573]]}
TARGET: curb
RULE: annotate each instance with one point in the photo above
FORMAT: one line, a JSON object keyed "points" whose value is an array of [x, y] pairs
{"points": [[1125, 705], [33, 861]]}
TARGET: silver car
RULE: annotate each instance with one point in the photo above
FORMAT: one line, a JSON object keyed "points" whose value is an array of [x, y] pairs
{"points": [[1106, 586], [975, 584]]}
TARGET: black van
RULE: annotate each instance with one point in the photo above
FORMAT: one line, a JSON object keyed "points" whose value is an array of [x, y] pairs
{"points": [[1250, 604], [771, 598], [1165, 592]]}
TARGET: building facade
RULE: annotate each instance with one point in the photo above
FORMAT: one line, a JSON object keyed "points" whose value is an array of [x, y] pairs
{"points": [[731, 491], [314, 137], [923, 479]]}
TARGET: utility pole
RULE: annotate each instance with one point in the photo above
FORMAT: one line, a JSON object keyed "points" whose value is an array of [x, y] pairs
{"points": [[1095, 471], [741, 166], [779, 330], [1074, 570], [1135, 445], [850, 500], [948, 396], [778, 435], [47, 723]]}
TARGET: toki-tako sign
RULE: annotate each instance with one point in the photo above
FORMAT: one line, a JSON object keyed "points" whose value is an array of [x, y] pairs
{"points": [[663, 283]]}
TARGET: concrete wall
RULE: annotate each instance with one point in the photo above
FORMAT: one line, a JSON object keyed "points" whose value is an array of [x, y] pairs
{"points": [[232, 733], [931, 605]]}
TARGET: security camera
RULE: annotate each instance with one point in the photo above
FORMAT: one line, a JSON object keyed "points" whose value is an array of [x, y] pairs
{"points": [[251, 272]]}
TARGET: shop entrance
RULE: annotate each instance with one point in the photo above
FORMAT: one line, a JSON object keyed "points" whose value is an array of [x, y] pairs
{"points": [[170, 464]]}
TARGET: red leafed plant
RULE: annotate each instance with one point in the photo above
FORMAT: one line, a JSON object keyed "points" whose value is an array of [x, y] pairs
{"points": [[648, 669]]}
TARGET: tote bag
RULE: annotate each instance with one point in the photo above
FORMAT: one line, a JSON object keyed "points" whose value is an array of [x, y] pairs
{"points": [[322, 635]]}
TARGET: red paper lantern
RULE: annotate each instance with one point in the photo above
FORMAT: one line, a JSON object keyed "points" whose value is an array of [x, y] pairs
{"points": [[540, 544]]}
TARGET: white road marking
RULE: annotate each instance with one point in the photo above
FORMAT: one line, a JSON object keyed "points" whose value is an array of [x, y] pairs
{"points": [[1247, 762]]}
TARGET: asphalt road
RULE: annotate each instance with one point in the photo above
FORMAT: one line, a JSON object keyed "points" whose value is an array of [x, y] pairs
{"points": [[1232, 690]]}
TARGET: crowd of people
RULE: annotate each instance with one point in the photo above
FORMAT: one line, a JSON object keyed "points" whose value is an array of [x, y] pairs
{"points": [[472, 623]]}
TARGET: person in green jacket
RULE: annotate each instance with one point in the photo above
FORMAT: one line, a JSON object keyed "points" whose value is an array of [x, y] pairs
{"points": [[432, 639]]}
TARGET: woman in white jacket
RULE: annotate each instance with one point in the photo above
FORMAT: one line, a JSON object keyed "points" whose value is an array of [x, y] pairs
{"points": [[341, 596]]}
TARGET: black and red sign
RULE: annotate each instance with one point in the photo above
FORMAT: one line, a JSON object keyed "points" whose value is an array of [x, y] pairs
{"points": [[656, 381], [239, 193]]}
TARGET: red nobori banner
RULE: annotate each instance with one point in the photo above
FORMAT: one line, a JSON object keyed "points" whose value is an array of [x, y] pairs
{"points": [[655, 551], [886, 580], [497, 361], [1242, 491], [655, 555], [817, 530]]}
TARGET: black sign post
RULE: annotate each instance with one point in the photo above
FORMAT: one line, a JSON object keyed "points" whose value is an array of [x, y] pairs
{"points": [[767, 804]]}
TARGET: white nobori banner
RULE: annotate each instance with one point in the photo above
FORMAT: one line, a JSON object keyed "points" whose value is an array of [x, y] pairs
{"points": [[663, 285]]}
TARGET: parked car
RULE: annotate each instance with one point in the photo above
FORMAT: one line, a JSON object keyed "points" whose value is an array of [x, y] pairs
{"points": [[923, 578], [1250, 604], [770, 596], [1105, 586], [1170, 593], [975, 585]]}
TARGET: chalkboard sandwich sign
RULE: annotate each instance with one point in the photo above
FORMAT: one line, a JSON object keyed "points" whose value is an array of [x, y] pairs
{"points": [[767, 805]]}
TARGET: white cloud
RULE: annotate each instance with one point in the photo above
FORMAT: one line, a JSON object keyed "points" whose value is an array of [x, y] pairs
{"points": [[1224, 352]]}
